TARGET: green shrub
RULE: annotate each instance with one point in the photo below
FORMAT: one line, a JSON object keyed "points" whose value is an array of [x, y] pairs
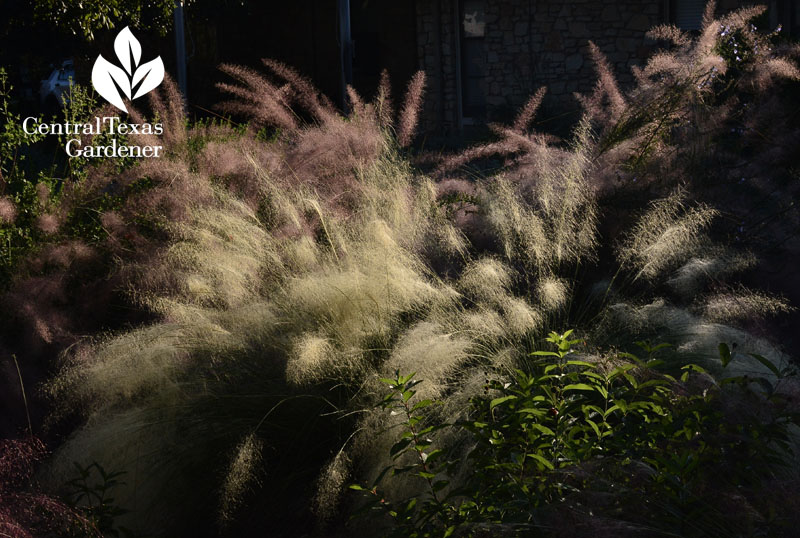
{"points": [[554, 437]]}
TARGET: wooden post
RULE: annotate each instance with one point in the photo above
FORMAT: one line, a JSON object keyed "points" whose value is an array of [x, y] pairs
{"points": [[180, 49]]}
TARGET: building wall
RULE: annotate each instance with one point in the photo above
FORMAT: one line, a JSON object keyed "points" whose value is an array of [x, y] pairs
{"points": [[436, 50], [528, 44]]}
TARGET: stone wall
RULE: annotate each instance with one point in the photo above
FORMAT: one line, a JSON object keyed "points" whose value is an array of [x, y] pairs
{"points": [[528, 44], [562, 31], [436, 42]]}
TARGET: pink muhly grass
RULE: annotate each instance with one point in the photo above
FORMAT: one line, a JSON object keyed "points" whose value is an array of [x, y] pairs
{"points": [[177, 189], [17, 458], [168, 105], [259, 99], [270, 104], [606, 83], [48, 223], [39, 303], [356, 103], [511, 143], [8, 211], [742, 17], [305, 93], [244, 166], [409, 116], [27, 513], [329, 157], [668, 32], [774, 68], [62, 255], [708, 13], [453, 162], [528, 112], [383, 100], [42, 193]]}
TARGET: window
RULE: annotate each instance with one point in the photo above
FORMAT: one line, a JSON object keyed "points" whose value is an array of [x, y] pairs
{"points": [[473, 58], [688, 14]]}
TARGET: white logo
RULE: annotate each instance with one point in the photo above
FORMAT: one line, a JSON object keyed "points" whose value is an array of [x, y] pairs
{"points": [[108, 79]]}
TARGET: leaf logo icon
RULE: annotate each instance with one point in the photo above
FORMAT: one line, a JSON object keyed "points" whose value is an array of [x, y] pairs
{"points": [[133, 79]]}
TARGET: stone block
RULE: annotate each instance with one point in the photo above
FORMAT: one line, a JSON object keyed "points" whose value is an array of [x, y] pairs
{"points": [[610, 13], [573, 62], [626, 44], [556, 88], [577, 29], [639, 22], [553, 42]]}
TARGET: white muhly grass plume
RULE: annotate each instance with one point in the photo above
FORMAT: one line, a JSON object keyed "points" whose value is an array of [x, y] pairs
{"points": [[554, 222], [220, 255], [241, 475], [667, 234], [552, 293], [484, 324], [311, 355], [485, 281], [520, 230], [742, 305], [519, 317], [692, 276], [692, 336], [141, 363], [332, 483], [432, 352], [360, 296]]}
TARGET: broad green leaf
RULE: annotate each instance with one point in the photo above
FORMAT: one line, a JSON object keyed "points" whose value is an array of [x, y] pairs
{"points": [[421, 404], [769, 364], [432, 455], [724, 354], [579, 386], [399, 447], [542, 460], [581, 363], [532, 411], [594, 426], [497, 401], [611, 409], [543, 429]]}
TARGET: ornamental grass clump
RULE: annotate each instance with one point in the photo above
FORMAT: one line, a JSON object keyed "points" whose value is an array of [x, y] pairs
{"points": [[279, 271]]}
